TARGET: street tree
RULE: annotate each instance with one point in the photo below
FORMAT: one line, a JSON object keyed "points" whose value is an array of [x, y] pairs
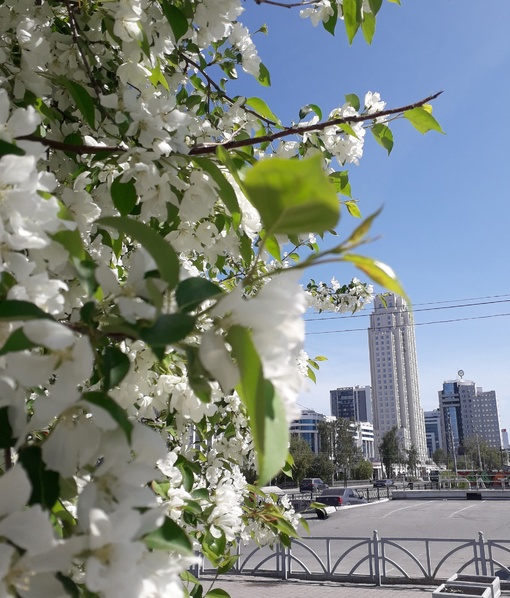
{"points": [[155, 228], [302, 457], [389, 450], [412, 460], [336, 438]]}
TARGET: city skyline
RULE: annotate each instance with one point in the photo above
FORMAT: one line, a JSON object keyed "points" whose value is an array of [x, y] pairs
{"points": [[444, 198]]}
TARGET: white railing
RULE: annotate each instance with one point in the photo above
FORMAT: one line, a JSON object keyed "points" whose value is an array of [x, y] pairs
{"points": [[374, 560]]}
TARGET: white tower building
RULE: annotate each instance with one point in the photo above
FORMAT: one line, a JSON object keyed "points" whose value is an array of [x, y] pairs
{"points": [[394, 374]]}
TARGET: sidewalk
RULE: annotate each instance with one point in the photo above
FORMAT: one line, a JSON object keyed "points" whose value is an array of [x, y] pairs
{"points": [[246, 586]]}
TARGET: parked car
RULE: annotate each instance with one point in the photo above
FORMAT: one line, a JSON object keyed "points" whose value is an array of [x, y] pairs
{"points": [[339, 497], [383, 483], [312, 485]]}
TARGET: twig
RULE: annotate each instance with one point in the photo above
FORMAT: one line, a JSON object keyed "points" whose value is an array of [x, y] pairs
{"points": [[299, 130], [285, 5]]}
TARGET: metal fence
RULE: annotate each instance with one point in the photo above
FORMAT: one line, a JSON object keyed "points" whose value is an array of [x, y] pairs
{"points": [[375, 560]]}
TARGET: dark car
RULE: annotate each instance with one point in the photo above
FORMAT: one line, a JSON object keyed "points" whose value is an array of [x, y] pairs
{"points": [[383, 483], [340, 497], [312, 485]]}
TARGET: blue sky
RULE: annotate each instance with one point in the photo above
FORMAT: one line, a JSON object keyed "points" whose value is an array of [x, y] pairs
{"points": [[445, 198]]}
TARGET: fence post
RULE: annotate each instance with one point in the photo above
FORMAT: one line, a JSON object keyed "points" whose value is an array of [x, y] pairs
{"points": [[483, 558], [377, 564]]}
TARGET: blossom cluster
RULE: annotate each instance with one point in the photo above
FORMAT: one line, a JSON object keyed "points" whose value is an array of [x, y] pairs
{"points": [[147, 317]]}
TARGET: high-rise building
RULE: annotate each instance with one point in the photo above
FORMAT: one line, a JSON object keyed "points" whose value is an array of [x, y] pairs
{"points": [[307, 427], [394, 374], [352, 402], [468, 413], [433, 431]]}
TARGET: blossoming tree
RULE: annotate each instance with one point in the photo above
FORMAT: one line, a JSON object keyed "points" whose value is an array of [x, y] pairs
{"points": [[154, 230]]}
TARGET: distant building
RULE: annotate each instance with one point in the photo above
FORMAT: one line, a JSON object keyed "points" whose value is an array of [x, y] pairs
{"points": [[352, 402], [364, 438], [394, 374], [433, 431], [504, 437], [468, 412], [307, 427]]}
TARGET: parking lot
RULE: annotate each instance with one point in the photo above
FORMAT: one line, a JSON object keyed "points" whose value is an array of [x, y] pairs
{"points": [[418, 519]]}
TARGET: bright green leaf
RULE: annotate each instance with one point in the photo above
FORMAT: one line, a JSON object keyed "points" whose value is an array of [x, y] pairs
{"points": [[191, 292], [101, 399], [353, 208], [265, 409], [368, 26], [352, 17], [292, 196], [422, 120], [71, 241], [264, 77], [168, 329], [218, 592], [161, 251], [361, 231], [380, 273], [169, 537], [124, 195], [383, 136], [271, 245], [341, 183], [263, 109]]}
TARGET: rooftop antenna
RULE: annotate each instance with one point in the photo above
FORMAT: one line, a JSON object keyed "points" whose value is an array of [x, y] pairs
{"points": [[460, 373]]}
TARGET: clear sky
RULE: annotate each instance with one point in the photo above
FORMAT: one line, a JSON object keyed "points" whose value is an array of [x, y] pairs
{"points": [[445, 198]]}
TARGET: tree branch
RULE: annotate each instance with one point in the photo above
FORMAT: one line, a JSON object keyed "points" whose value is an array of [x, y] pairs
{"points": [[299, 130], [285, 5], [211, 148]]}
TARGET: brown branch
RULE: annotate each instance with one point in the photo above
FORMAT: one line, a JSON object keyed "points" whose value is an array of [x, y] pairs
{"points": [[299, 130], [211, 148], [284, 5]]}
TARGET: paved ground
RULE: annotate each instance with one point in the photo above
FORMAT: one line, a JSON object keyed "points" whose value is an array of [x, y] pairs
{"points": [[244, 586]]}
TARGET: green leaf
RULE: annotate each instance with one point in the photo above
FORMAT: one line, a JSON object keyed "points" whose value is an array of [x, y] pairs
{"points": [[330, 24], [375, 5], [10, 148], [176, 19], [226, 159], [352, 17], [217, 593], [310, 108], [168, 329], [115, 367], [101, 399], [422, 120], [161, 251], [157, 77], [265, 409], [272, 245], [360, 232], [82, 99], [169, 537], [353, 208], [292, 196], [368, 26], [191, 292], [17, 341], [124, 195], [263, 109], [353, 100], [12, 311], [380, 273], [383, 136], [44, 482], [227, 194], [341, 183], [264, 77], [85, 270]]}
